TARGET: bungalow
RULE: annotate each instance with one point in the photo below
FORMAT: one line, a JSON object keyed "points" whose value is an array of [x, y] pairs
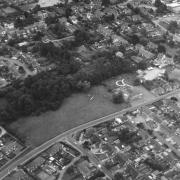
{"points": [[127, 11], [34, 164], [136, 18], [9, 26], [104, 30], [156, 35], [148, 27], [118, 40], [98, 14], [125, 27], [162, 60], [151, 46], [136, 59], [143, 52], [42, 14], [86, 169], [131, 52]]}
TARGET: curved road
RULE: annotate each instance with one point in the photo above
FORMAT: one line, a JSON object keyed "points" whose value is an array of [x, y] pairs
{"points": [[49, 143]]}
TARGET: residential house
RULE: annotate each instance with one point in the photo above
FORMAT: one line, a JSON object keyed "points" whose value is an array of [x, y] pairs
{"points": [[42, 14], [118, 40], [136, 18], [86, 168], [104, 30], [162, 60], [127, 11], [144, 53], [151, 46], [34, 164], [149, 27], [137, 59], [9, 26]]}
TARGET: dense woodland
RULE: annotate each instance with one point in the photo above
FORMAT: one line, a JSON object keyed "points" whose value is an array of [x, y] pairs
{"points": [[47, 90]]}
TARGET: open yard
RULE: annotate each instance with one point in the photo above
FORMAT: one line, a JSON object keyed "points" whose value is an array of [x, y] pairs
{"points": [[76, 110]]}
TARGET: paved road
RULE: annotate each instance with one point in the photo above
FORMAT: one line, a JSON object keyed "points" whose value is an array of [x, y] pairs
{"points": [[49, 143]]}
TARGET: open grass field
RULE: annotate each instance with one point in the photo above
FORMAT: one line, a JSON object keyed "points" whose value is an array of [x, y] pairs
{"points": [[146, 95], [76, 110]]}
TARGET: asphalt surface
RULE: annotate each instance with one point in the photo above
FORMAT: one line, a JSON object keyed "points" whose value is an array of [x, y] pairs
{"points": [[58, 138]]}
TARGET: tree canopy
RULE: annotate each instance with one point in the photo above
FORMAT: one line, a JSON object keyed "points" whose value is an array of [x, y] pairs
{"points": [[47, 90]]}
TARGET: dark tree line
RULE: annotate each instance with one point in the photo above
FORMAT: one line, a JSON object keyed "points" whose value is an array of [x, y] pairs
{"points": [[47, 90]]}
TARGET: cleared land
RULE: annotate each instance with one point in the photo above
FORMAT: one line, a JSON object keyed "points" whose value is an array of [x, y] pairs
{"points": [[76, 110]]}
